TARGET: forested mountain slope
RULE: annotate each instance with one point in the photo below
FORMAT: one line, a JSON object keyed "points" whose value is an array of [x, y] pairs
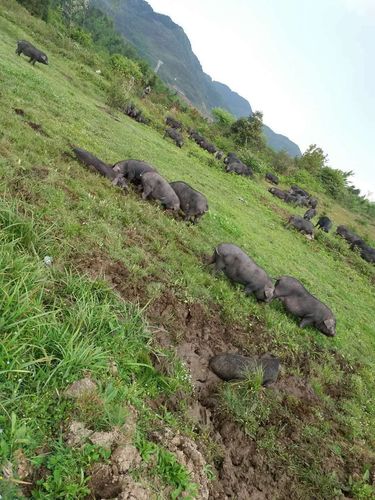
{"points": [[156, 37]]}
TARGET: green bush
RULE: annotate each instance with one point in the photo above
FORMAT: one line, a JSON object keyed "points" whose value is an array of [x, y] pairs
{"points": [[38, 8], [81, 36], [125, 67], [252, 160], [119, 93], [223, 117], [283, 163]]}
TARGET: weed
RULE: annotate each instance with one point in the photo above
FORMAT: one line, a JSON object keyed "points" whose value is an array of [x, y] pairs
{"points": [[167, 467], [248, 402], [67, 466]]}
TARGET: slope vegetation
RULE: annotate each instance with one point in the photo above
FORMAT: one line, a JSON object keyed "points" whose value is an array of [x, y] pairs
{"points": [[129, 303]]}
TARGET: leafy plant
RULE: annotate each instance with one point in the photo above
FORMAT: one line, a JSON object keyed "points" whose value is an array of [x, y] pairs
{"points": [[125, 67], [248, 402], [68, 466], [167, 467]]}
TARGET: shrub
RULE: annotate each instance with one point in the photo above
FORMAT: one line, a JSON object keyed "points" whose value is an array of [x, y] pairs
{"points": [[223, 117], [38, 8], [252, 160], [125, 67], [81, 36], [119, 92], [283, 163]]}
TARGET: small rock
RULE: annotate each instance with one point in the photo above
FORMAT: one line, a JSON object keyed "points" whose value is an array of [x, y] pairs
{"points": [[231, 366], [199, 414], [48, 261], [7, 470], [80, 388], [113, 369], [125, 457], [128, 429]]}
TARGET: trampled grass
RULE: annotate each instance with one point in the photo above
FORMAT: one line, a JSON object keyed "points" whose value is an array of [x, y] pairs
{"points": [[57, 325]]}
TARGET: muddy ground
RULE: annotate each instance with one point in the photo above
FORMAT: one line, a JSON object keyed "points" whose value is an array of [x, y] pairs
{"points": [[242, 470]]}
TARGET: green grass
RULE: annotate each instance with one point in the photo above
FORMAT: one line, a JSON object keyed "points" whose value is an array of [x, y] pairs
{"points": [[57, 324]]}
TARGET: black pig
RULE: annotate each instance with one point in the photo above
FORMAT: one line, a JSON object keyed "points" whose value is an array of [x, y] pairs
{"points": [[240, 268], [36, 55], [230, 366], [193, 203], [157, 188], [298, 301]]}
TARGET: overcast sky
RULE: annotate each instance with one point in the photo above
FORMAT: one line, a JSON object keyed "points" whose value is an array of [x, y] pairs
{"points": [[309, 65]]}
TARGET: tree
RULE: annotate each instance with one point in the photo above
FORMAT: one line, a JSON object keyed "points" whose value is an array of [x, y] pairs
{"points": [[223, 117], [72, 10], [313, 159], [38, 8], [103, 33], [282, 162], [335, 182], [125, 67], [248, 131]]}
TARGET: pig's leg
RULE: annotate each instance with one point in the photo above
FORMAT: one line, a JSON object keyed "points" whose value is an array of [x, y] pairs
{"points": [[306, 321]]}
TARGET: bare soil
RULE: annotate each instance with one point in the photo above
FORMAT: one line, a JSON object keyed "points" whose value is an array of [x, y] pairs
{"points": [[197, 333], [38, 128]]}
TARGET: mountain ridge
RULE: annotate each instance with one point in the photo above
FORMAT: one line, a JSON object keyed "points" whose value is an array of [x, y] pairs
{"points": [[156, 36]]}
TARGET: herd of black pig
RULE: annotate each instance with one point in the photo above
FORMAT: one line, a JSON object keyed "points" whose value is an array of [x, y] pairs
{"points": [[299, 197], [227, 257], [238, 267]]}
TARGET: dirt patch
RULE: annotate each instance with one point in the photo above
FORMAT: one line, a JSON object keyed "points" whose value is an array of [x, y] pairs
{"points": [[68, 77], [193, 323], [72, 195], [102, 484], [68, 155], [19, 111], [188, 454], [115, 273], [296, 387], [38, 128], [19, 188], [38, 172], [199, 332], [105, 484], [284, 212], [243, 473]]}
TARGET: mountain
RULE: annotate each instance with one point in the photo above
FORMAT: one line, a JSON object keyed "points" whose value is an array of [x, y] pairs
{"points": [[157, 37], [236, 104], [280, 142]]}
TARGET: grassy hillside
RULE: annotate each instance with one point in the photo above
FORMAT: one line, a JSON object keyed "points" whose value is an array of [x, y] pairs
{"points": [[130, 303]]}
